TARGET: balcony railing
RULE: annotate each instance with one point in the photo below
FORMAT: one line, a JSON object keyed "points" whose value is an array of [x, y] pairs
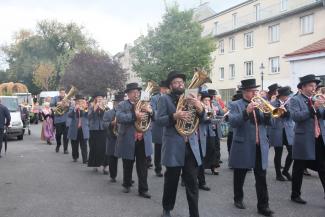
{"points": [[263, 14]]}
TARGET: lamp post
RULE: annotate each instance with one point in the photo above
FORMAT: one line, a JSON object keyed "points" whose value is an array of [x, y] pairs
{"points": [[262, 74]]}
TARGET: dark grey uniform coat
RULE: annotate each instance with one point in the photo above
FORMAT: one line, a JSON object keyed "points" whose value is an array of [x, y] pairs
{"points": [[206, 127], [109, 116], [304, 140], [125, 116], [278, 124], [243, 148], [173, 144], [58, 118], [73, 129], [156, 129]]}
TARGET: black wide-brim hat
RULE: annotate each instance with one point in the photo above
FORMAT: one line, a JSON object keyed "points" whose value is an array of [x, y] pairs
{"points": [[99, 93], [205, 95], [284, 91], [174, 74], [163, 84], [308, 79], [119, 97], [273, 87], [212, 92], [248, 84], [132, 86], [78, 97]]}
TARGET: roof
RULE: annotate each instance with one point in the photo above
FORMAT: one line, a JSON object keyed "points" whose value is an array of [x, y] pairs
{"points": [[316, 47]]}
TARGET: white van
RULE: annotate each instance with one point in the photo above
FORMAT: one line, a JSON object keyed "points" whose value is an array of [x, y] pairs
{"points": [[16, 124]]}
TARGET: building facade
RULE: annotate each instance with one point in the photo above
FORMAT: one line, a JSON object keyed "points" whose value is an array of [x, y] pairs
{"points": [[254, 36]]}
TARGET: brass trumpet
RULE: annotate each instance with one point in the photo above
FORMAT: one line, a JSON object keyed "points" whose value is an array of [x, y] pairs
{"points": [[319, 96], [265, 107]]}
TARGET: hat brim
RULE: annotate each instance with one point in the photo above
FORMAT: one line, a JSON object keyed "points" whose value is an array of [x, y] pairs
{"points": [[127, 90], [249, 87], [306, 82], [178, 75]]}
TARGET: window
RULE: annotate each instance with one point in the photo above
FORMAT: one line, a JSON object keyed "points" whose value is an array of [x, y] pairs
{"points": [[284, 5], [257, 12], [215, 30], [234, 20], [249, 68], [307, 24], [221, 47], [274, 64], [248, 40], [232, 46], [232, 71], [222, 73], [274, 33]]}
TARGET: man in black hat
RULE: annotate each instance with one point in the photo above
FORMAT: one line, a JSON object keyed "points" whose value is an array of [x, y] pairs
{"points": [[273, 92], [281, 133], [4, 122], [157, 130], [178, 153], [250, 146], [110, 120], [308, 150], [132, 145]]}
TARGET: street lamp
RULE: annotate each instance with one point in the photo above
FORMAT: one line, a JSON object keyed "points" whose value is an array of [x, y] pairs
{"points": [[262, 73]]}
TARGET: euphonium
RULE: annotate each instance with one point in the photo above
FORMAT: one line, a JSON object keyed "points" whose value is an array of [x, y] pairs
{"points": [[60, 109], [188, 128], [265, 107], [144, 124]]}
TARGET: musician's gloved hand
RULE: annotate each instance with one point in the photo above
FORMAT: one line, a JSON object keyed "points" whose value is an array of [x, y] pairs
{"points": [[182, 115]]}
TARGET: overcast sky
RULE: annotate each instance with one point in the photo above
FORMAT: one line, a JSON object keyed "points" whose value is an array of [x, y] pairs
{"points": [[112, 23]]}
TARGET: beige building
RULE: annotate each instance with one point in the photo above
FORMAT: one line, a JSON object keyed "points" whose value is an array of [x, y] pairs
{"points": [[254, 36]]}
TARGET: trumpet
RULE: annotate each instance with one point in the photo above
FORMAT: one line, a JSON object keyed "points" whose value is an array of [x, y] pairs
{"points": [[319, 96], [265, 107], [84, 106]]}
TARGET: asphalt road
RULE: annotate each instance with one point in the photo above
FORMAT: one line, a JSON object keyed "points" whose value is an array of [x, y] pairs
{"points": [[37, 182]]}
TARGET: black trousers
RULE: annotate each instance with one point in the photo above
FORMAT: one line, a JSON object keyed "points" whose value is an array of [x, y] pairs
{"points": [[189, 174], [229, 141], [260, 182], [157, 158], [141, 167], [112, 162], [83, 146], [278, 156], [318, 165], [201, 175], [218, 153], [1, 138], [61, 130]]}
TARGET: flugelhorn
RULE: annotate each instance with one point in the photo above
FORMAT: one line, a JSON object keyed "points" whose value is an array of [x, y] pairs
{"points": [[266, 107]]}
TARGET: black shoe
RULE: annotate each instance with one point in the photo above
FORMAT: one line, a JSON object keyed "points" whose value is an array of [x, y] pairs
{"points": [[220, 162], [84, 162], [204, 187], [113, 180], [75, 160], [105, 172], [306, 173], [159, 174], [126, 190], [280, 178], [239, 205], [287, 175], [166, 213], [298, 200], [265, 212], [144, 195], [57, 149], [66, 152], [214, 172]]}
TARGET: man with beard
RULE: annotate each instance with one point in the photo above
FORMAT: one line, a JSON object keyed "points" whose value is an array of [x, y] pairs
{"points": [[178, 153]]}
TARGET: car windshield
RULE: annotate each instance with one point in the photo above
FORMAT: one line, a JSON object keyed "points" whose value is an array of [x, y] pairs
{"points": [[10, 103]]}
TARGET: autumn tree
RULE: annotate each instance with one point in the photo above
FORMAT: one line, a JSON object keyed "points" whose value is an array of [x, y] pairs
{"points": [[42, 75]]}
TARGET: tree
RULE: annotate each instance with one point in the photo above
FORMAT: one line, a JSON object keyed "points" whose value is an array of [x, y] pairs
{"points": [[175, 44], [92, 71], [42, 75]]}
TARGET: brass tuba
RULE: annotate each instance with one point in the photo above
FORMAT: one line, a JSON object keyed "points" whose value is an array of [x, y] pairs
{"points": [[188, 128], [265, 107], [144, 124], [60, 109]]}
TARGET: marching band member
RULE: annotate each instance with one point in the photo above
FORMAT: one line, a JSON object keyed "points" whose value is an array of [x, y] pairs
{"points": [[61, 129], [97, 137], [157, 131], [308, 148], [79, 129], [273, 92], [110, 119], [178, 153], [132, 144], [281, 133], [249, 146]]}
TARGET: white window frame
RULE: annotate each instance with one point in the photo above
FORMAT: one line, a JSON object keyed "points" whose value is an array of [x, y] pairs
{"points": [[234, 20], [307, 24], [249, 68], [246, 37], [274, 63], [221, 46], [215, 28], [232, 71], [221, 73], [284, 5], [257, 11], [274, 33], [232, 44]]}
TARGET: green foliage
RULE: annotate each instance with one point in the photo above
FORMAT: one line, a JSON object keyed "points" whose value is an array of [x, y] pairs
{"points": [[175, 44]]}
